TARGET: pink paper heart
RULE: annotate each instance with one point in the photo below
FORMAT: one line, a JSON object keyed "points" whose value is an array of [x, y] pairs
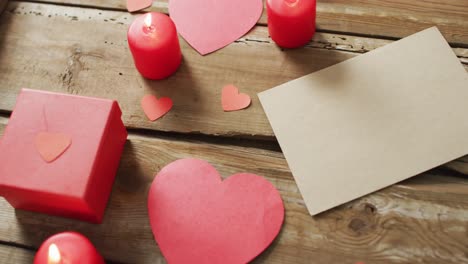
{"points": [[196, 217], [51, 145], [232, 100], [155, 108], [209, 25], [135, 5]]}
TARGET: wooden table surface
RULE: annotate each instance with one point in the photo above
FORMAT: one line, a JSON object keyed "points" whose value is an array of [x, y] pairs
{"points": [[79, 47]]}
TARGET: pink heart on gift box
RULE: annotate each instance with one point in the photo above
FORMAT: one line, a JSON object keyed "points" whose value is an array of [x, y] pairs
{"points": [[196, 217], [51, 145], [209, 25]]}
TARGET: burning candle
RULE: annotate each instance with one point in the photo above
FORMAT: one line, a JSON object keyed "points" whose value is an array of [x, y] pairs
{"points": [[291, 23], [54, 255], [154, 44], [67, 248]]}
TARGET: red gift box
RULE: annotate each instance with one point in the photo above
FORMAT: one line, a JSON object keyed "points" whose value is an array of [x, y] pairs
{"points": [[78, 182]]}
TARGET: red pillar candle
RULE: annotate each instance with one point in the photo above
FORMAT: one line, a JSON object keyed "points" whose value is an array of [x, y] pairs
{"points": [[154, 44], [68, 248], [291, 23]]}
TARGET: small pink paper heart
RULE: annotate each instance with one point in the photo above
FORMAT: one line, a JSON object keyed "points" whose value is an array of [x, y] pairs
{"points": [[155, 108], [209, 25], [51, 145], [135, 5], [232, 100]]}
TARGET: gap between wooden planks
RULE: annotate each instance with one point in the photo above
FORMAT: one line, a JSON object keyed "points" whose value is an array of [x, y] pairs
{"points": [[420, 220], [11, 254], [383, 18], [84, 51]]}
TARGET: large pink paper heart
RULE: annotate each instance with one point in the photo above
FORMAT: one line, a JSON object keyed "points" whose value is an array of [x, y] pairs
{"points": [[209, 25], [135, 5], [198, 218]]}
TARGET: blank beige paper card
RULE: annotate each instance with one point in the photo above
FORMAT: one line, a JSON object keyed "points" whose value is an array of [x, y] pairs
{"points": [[372, 121]]}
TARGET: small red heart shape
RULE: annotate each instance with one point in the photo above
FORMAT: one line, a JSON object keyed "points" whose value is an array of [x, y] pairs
{"points": [[51, 145], [232, 100], [196, 217], [135, 5], [155, 108]]}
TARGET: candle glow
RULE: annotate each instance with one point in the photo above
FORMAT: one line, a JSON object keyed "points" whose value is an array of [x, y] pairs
{"points": [[68, 248], [148, 20], [54, 254]]}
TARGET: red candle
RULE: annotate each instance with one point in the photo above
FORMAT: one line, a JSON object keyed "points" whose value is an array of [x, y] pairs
{"points": [[154, 44], [291, 23], [67, 248]]}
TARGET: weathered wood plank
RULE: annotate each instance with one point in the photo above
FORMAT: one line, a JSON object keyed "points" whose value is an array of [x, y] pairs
{"points": [[10, 254], [84, 51], [394, 18], [421, 220]]}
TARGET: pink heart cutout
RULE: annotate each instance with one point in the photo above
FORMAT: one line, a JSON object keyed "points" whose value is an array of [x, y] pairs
{"points": [[196, 217], [155, 108], [209, 25], [232, 100], [51, 145], [135, 5]]}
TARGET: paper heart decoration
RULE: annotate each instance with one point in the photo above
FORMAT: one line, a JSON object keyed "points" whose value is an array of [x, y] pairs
{"points": [[51, 145], [198, 218], [135, 5], [209, 25], [155, 108], [232, 100]]}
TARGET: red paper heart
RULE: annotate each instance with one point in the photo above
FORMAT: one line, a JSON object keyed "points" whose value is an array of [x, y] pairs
{"points": [[155, 108], [198, 218], [232, 100], [51, 145], [209, 25], [135, 5]]}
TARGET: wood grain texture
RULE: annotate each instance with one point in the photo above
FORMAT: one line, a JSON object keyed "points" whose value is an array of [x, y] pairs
{"points": [[14, 255], [421, 220], [388, 18], [84, 51]]}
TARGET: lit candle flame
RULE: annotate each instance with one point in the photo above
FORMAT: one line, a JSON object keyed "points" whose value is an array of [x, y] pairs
{"points": [[148, 20], [54, 254]]}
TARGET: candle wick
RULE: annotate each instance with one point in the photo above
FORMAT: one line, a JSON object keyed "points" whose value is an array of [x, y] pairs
{"points": [[149, 23], [149, 29]]}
